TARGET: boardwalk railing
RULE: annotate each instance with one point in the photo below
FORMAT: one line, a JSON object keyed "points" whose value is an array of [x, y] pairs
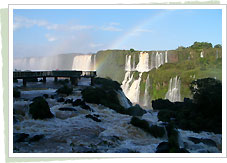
{"points": [[73, 75]]}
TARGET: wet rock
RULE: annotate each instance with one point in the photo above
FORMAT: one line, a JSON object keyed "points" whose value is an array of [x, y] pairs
{"points": [[208, 142], [67, 109], [61, 99], [69, 101], [160, 104], [135, 111], [154, 130], [93, 118], [40, 109], [86, 107], [163, 147], [36, 138], [20, 137], [45, 95], [52, 96], [77, 102]]}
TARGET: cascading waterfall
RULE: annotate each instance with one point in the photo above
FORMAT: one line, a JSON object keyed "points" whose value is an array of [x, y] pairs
{"points": [[143, 65], [147, 62], [83, 63], [173, 93], [147, 98], [131, 88], [123, 99]]}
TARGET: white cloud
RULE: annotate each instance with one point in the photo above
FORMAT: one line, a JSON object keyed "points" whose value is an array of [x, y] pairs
{"points": [[50, 38], [111, 27], [23, 22]]}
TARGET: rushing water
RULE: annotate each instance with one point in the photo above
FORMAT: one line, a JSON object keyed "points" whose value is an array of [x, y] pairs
{"points": [[71, 131], [173, 93]]}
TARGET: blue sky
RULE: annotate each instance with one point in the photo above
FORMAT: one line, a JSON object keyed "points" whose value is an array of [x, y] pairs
{"points": [[50, 32]]}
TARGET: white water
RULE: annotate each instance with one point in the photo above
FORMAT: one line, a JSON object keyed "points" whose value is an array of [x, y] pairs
{"points": [[201, 54], [59, 62], [131, 87], [173, 93], [146, 61], [123, 99], [83, 63], [147, 98]]}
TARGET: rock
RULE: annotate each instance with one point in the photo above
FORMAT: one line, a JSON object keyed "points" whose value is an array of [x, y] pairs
{"points": [[40, 109], [52, 96], [163, 147], [16, 93], [86, 107], [36, 138], [45, 95], [61, 99], [69, 101], [20, 137], [160, 104], [67, 109], [65, 90], [208, 142], [154, 130], [77, 102], [125, 150], [135, 111], [93, 118]]}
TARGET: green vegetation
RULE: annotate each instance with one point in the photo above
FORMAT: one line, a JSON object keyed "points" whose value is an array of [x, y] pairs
{"points": [[204, 113], [187, 64]]}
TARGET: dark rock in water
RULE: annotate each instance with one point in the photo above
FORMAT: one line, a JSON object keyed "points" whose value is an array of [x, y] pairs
{"points": [[15, 80], [160, 104], [93, 118], [69, 101], [20, 137], [36, 138], [45, 95], [67, 109], [86, 107], [135, 111], [40, 109], [163, 147], [16, 93], [96, 115], [208, 142], [61, 99], [52, 96], [77, 102], [154, 130], [65, 90], [183, 150]]}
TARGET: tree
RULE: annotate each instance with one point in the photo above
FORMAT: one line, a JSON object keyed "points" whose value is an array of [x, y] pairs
{"points": [[218, 46], [207, 94], [201, 45], [132, 50]]}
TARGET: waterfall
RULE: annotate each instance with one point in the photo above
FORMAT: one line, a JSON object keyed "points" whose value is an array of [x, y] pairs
{"points": [[94, 64], [201, 54], [143, 65], [128, 63], [83, 63], [123, 99], [166, 56], [173, 93], [147, 99], [131, 88]]}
